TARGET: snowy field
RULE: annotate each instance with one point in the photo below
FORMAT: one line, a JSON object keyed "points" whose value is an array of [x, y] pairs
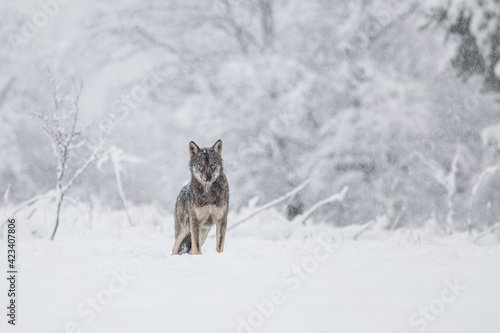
{"points": [[274, 276]]}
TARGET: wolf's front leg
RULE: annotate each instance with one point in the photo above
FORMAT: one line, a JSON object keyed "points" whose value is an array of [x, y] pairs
{"points": [[195, 236], [221, 234]]}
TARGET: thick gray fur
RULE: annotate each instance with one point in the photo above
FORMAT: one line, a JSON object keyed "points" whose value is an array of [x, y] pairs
{"points": [[203, 202]]}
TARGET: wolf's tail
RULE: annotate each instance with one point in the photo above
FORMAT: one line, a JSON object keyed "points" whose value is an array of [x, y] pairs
{"points": [[185, 245]]}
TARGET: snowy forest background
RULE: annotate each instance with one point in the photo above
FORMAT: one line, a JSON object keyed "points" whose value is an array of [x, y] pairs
{"points": [[398, 100]]}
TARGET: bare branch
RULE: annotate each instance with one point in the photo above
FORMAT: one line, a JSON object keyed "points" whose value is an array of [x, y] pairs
{"points": [[487, 232], [62, 132], [475, 189], [50, 194], [50, 134], [336, 197], [96, 154], [368, 226], [270, 204], [116, 157]]}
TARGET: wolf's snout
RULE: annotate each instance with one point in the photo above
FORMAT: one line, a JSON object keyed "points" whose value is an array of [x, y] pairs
{"points": [[209, 177]]}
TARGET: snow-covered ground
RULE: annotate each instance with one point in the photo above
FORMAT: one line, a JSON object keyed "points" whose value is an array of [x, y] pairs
{"points": [[274, 276]]}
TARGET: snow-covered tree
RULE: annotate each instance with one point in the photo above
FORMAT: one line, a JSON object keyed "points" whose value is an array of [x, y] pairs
{"points": [[475, 28], [73, 152]]}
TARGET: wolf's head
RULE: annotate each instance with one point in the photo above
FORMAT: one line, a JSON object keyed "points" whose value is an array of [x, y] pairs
{"points": [[206, 163]]}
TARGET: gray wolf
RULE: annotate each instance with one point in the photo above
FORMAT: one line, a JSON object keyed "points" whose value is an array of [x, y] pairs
{"points": [[203, 202]]}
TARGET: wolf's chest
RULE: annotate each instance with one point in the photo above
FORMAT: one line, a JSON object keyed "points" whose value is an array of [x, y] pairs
{"points": [[204, 212]]}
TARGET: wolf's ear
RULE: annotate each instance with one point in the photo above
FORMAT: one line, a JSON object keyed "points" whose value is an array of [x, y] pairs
{"points": [[218, 147], [193, 149]]}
